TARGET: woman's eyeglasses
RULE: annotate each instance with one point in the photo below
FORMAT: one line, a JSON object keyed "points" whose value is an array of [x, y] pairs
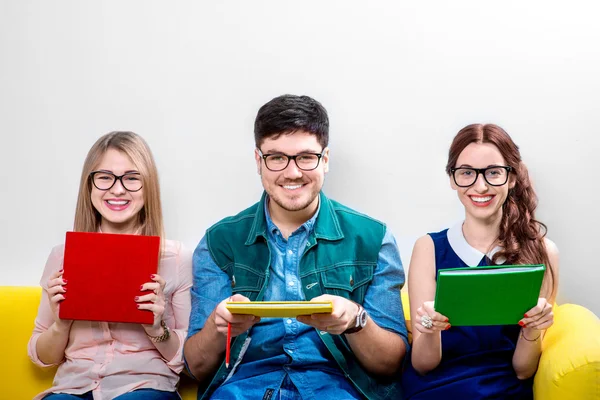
{"points": [[494, 176], [104, 180]]}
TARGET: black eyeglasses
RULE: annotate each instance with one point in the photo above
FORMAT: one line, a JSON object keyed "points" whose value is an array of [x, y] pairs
{"points": [[279, 161], [494, 176], [104, 180]]}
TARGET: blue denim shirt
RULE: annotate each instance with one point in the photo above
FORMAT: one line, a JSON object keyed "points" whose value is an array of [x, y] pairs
{"points": [[284, 353]]}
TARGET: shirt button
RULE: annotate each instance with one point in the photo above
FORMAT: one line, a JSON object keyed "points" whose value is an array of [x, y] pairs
{"points": [[290, 252], [289, 321], [291, 283], [291, 351]]}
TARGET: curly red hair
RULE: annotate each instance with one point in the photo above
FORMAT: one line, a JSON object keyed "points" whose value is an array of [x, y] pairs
{"points": [[521, 236]]}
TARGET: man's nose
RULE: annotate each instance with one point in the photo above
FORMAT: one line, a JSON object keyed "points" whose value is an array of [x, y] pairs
{"points": [[292, 171]]}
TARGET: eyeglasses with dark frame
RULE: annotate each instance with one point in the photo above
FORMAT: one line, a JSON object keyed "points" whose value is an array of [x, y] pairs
{"points": [[304, 161], [496, 175], [105, 180]]}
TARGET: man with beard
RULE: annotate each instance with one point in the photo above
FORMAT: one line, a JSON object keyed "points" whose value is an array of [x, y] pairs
{"points": [[295, 244]]}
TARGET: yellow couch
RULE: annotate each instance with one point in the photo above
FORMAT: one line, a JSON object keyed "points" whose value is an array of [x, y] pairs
{"points": [[569, 366]]}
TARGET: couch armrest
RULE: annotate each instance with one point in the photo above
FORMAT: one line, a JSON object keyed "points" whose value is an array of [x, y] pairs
{"points": [[569, 366], [19, 377]]}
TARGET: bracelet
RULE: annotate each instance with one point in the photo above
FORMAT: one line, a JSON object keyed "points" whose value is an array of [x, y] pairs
{"points": [[531, 340], [164, 336]]}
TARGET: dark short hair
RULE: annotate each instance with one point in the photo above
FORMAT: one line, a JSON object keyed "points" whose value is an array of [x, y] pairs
{"points": [[287, 114]]}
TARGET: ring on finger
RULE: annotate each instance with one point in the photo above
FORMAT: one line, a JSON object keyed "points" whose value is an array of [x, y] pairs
{"points": [[426, 321]]}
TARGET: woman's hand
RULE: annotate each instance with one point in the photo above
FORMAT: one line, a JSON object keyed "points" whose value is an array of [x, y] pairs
{"points": [[56, 290], [430, 321], [154, 302], [538, 318]]}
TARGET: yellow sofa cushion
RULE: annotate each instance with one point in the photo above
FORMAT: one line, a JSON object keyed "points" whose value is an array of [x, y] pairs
{"points": [[20, 378], [570, 363], [569, 367]]}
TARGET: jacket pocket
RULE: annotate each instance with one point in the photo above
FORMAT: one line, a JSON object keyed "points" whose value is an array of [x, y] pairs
{"points": [[246, 280], [349, 280]]}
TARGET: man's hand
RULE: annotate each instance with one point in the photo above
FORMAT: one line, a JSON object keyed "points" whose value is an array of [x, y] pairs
{"points": [[240, 323], [341, 318]]}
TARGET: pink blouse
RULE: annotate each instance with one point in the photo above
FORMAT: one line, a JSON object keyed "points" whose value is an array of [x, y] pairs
{"points": [[108, 358]]}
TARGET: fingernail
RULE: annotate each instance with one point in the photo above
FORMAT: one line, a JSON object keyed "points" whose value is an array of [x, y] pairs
{"points": [[142, 287], [137, 298], [137, 305], [152, 276], [65, 288], [61, 270], [448, 327], [64, 281], [521, 323], [526, 316], [446, 320]]}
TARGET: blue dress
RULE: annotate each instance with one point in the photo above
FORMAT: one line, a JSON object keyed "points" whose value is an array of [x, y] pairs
{"points": [[476, 361]]}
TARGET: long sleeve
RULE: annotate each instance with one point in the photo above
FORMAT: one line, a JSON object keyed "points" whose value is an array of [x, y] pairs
{"points": [[181, 305], [44, 318]]}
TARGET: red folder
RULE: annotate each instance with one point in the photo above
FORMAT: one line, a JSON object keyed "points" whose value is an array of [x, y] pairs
{"points": [[104, 273]]}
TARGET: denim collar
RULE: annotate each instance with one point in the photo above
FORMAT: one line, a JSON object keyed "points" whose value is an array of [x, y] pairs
{"points": [[324, 224], [308, 225]]}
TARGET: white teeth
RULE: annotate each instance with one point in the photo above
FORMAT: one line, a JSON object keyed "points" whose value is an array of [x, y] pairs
{"points": [[481, 199], [293, 187], [117, 203]]}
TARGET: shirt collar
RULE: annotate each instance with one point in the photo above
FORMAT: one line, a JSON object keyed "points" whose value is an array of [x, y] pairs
{"points": [[308, 225], [325, 223], [470, 255]]}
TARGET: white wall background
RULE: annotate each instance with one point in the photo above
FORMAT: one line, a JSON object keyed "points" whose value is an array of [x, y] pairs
{"points": [[398, 79]]}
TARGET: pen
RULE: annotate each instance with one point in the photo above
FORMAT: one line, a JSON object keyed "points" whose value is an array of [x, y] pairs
{"points": [[227, 349]]}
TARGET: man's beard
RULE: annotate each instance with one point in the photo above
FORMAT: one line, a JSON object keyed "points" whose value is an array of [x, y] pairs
{"points": [[293, 205]]}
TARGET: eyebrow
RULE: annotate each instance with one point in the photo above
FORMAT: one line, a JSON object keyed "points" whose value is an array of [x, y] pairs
{"points": [[275, 151], [470, 166], [131, 171]]}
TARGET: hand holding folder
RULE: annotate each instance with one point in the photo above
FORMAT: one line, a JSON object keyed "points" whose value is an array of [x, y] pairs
{"points": [[273, 309], [104, 273], [498, 295]]}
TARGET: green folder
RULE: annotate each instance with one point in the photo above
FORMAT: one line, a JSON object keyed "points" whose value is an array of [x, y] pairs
{"points": [[498, 295]]}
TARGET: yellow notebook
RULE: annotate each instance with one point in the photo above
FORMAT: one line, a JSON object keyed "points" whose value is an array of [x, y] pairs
{"points": [[279, 309]]}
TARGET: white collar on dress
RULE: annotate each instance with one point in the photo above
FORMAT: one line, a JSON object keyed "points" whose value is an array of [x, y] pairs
{"points": [[470, 255]]}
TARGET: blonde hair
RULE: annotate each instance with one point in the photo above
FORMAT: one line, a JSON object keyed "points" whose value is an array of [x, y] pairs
{"points": [[150, 220]]}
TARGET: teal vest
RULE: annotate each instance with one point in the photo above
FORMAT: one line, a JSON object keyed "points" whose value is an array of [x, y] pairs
{"points": [[339, 259]]}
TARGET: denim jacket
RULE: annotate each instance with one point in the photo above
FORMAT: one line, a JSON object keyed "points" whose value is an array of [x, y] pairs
{"points": [[339, 259]]}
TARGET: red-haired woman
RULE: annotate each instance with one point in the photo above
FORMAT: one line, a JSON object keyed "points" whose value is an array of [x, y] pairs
{"points": [[480, 362]]}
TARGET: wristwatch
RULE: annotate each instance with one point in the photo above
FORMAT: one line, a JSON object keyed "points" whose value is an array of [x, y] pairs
{"points": [[361, 320], [166, 335]]}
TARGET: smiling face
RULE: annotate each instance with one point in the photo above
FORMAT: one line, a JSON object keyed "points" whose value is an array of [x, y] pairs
{"points": [[482, 200], [292, 189], [118, 207]]}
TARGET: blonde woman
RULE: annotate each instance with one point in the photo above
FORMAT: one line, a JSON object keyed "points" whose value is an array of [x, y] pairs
{"points": [[118, 193]]}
